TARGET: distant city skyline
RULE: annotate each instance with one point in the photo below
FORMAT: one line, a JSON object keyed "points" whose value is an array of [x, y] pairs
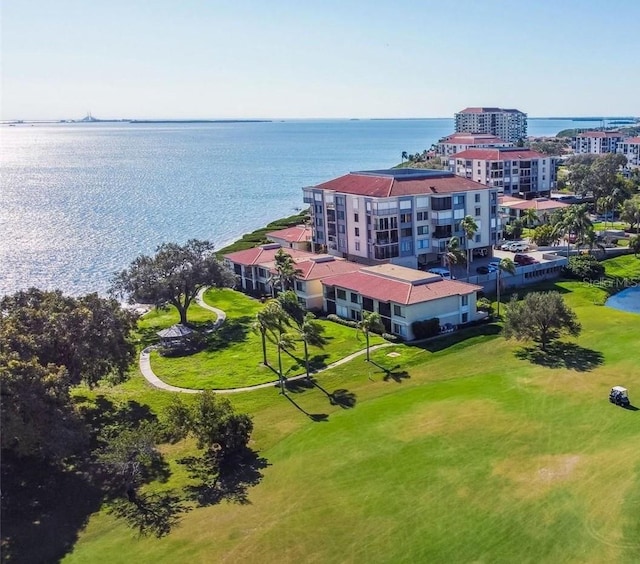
{"points": [[336, 59]]}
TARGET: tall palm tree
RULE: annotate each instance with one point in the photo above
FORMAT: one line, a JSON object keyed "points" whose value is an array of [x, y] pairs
{"points": [[371, 321], [470, 228], [311, 333], [574, 220], [505, 265], [530, 217], [589, 239], [453, 254], [285, 272], [266, 320], [284, 342]]}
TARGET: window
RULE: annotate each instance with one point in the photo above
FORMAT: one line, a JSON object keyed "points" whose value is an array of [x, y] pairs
{"points": [[357, 231], [477, 212], [465, 300], [354, 298], [262, 273], [406, 246], [342, 311], [397, 311], [422, 216], [423, 243], [458, 200], [340, 214], [423, 230], [300, 286], [317, 197], [341, 294], [341, 228], [406, 232], [439, 204], [465, 317], [357, 245], [405, 218], [422, 202], [356, 217], [399, 329], [405, 204], [477, 198], [478, 238]]}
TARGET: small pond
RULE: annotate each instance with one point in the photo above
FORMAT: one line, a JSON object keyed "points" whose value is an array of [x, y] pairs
{"points": [[626, 300]]}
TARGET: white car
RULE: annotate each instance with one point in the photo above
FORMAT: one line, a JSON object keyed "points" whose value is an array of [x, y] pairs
{"points": [[519, 247], [442, 272], [507, 246]]}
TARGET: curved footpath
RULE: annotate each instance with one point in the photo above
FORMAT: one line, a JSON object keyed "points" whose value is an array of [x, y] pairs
{"points": [[145, 362]]}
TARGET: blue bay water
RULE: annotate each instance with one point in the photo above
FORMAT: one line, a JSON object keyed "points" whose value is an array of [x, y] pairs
{"points": [[79, 202]]}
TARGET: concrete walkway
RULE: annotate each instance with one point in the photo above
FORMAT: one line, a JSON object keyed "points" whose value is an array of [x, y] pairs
{"points": [[145, 362]]}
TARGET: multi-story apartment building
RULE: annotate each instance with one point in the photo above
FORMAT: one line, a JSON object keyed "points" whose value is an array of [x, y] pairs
{"points": [[596, 142], [403, 216], [509, 125], [630, 148], [512, 170], [458, 142]]}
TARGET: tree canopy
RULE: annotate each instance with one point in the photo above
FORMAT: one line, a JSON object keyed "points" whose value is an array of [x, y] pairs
{"points": [[173, 276], [540, 317]]}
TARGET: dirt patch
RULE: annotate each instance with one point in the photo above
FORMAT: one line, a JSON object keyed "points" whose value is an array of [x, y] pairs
{"points": [[535, 476]]}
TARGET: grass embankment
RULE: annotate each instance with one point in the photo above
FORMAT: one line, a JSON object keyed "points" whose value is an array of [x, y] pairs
{"points": [[259, 236], [465, 451]]}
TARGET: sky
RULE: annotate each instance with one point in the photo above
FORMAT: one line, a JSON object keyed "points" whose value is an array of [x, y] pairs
{"points": [[214, 59]]}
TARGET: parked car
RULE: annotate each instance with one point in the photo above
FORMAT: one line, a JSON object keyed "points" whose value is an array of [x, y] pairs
{"points": [[522, 260], [506, 246], [448, 328], [518, 247], [442, 272], [483, 270]]}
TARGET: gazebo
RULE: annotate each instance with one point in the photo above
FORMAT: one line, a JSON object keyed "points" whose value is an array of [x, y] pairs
{"points": [[174, 336]]}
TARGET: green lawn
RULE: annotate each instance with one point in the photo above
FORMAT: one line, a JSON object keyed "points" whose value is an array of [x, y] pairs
{"points": [[233, 357], [463, 450]]}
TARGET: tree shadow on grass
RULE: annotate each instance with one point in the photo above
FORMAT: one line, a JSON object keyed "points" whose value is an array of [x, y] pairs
{"points": [[230, 332], [340, 397], [43, 509], [440, 343], [392, 374], [562, 355], [237, 475], [317, 417]]}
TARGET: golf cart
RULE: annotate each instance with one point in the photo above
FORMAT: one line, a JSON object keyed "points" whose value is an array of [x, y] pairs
{"points": [[618, 395]]}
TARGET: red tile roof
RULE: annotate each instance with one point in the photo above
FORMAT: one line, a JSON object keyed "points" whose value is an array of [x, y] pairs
{"points": [[537, 204], [316, 270], [633, 140], [260, 255], [386, 289], [476, 110], [384, 186], [499, 154], [294, 234], [600, 134]]}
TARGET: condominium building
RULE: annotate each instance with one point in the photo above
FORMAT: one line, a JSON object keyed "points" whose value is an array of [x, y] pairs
{"points": [[400, 296], [596, 142], [513, 170], [630, 148], [403, 216], [458, 142], [507, 124]]}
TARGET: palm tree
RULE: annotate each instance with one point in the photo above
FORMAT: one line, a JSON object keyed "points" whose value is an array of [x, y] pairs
{"points": [[530, 217], [371, 321], [454, 254], [404, 156], [470, 228], [505, 265], [286, 272], [311, 333], [284, 342], [574, 220], [266, 320], [589, 239]]}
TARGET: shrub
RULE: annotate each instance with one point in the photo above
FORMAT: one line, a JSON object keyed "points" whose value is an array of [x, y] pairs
{"points": [[584, 267], [543, 235], [484, 304], [347, 322], [426, 328], [391, 338]]}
